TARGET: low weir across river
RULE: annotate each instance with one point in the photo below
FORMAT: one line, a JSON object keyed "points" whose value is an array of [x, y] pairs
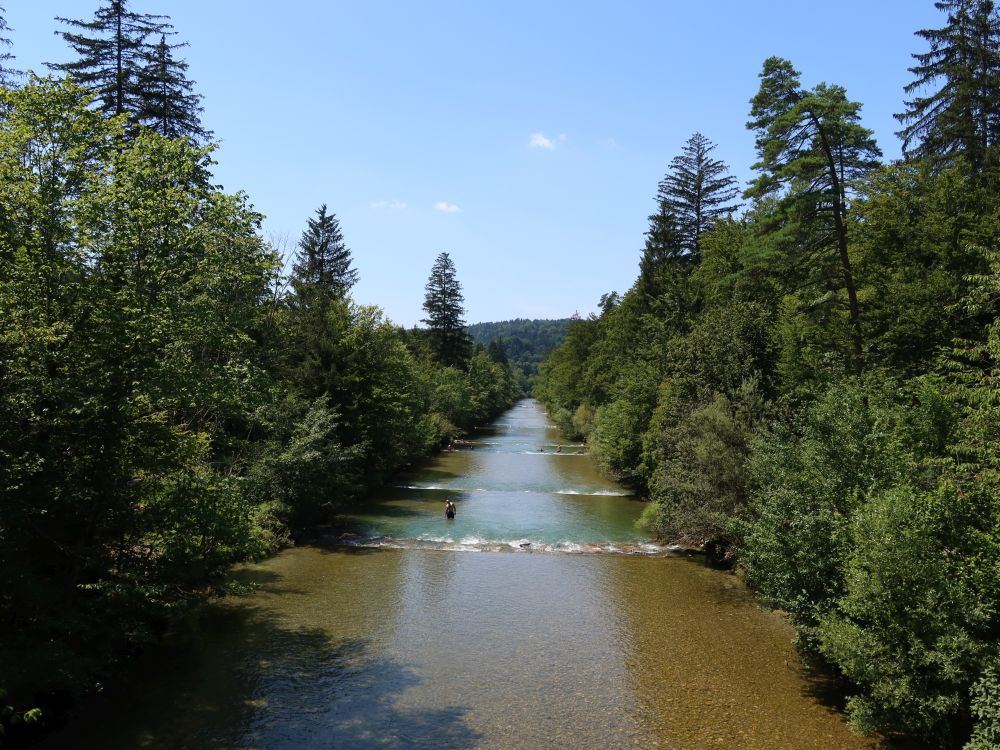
{"points": [[539, 617]]}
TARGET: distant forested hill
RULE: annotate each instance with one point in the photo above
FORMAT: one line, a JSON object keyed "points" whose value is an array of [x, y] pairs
{"points": [[526, 342]]}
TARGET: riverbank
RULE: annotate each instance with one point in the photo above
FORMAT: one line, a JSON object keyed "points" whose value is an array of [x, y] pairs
{"points": [[414, 644]]}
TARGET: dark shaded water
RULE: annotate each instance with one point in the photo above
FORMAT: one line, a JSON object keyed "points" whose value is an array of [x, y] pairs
{"points": [[421, 633]]}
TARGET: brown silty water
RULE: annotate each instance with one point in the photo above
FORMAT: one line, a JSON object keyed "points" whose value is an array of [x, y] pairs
{"points": [[538, 618]]}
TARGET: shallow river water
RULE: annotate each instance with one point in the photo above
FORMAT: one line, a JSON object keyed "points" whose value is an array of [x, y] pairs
{"points": [[539, 617]]}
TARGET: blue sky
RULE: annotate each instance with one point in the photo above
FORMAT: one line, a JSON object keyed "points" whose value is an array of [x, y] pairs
{"points": [[524, 138]]}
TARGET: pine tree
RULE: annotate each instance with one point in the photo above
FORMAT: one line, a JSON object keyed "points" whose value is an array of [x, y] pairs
{"points": [[811, 147], [7, 75], [323, 262], [664, 248], [166, 102], [962, 117], [698, 191], [443, 303], [112, 50]]}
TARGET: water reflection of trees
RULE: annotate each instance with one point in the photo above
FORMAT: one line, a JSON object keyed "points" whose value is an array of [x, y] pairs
{"points": [[256, 683]]}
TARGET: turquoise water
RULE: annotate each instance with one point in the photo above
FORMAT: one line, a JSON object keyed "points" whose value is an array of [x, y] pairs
{"points": [[512, 490]]}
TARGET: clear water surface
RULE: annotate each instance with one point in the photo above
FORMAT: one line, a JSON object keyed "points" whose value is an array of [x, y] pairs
{"points": [[539, 617]]}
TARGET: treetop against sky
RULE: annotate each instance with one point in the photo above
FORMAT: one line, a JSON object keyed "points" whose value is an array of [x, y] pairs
{"points": [[525, 139]]}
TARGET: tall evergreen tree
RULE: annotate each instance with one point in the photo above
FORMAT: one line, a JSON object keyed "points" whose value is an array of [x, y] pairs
{"points": [[698, 190], [811, 147], [112, 50], [166, 101], [443, 304], [323, 261], [962, 116], [7, 75], [665, 247]]}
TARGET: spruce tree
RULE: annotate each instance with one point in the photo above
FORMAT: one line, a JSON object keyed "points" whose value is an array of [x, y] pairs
{"points": [[112, 50], [443, 303], [166, 102], [962, 116], [698, 190], [323, 262], [811, 148], [665, 247], [7, 75]]}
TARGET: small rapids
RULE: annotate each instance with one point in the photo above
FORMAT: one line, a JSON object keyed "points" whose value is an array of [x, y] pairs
{"points": [[524, 545]]}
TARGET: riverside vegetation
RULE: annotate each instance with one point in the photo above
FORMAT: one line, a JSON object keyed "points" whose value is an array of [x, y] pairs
{"points": [[808, 387], [171, 402]]}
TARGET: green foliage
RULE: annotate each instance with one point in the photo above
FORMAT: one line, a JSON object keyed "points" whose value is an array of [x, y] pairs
{"points": [[914, 228], [302, 470], [812, 149], [617, 427], [323, 262], [166, 409], [986, 710], [811, 477], [526, 343], [960, 119], [167, 102], [443, 304], [815, 394], [698, 191], [701, 480], [124, 60], [919, 609]]}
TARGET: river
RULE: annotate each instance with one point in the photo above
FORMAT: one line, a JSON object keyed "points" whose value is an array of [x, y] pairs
{"points": [[538, 617]]}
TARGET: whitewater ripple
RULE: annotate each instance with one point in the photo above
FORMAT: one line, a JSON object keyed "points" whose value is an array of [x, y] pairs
{"points": [[524, 545]]}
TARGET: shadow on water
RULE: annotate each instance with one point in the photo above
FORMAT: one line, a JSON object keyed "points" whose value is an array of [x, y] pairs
{"points": [[832, 692], [429, 475], [247, 680]]}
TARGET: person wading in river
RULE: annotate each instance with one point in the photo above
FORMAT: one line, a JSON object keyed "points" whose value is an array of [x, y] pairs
{"points": [[449, 509]]}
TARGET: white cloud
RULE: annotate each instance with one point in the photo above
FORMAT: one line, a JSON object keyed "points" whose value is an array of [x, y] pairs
{"points": [[446, 207], [391, 205], [538, 140], [611, 142]]}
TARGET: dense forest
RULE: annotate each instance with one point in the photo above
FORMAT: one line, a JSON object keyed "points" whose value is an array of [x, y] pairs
{"points": [[172, 401], [526, 343], [806, 384]]}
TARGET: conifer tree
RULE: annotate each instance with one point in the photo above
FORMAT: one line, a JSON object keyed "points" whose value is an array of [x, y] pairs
{"points": [[443, 303], [323, 262], [7, 75], [112, 50], [698, 191], [962, 116], [811, 147], [166, 102], [665, 247]]}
